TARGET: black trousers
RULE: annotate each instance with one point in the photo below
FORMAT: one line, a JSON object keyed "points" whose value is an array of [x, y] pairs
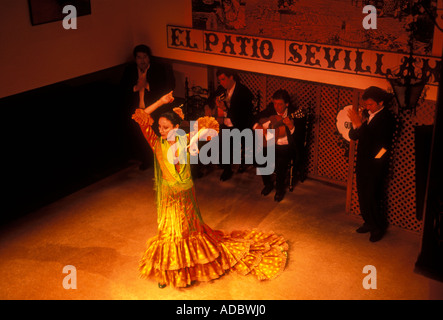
{"points": [[283, 156], [371, 183], [223, 140]]}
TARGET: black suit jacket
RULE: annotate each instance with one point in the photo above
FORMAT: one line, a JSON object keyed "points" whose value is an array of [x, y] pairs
{"points": [[241, 108], [372, 138]]}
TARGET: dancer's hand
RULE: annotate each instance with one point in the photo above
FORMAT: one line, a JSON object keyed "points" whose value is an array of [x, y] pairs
{"points": [[167, 98], [179, 112], [193, 145]]}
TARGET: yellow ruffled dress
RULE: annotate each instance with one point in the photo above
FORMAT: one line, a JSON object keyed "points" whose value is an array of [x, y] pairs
{"points": [[185, 248]]}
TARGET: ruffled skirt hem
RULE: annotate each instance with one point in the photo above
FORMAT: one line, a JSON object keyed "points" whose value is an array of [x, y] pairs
{"points": [[208, 255]]}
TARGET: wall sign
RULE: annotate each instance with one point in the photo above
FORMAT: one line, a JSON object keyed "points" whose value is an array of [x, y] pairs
{"points": [[303, 54]]}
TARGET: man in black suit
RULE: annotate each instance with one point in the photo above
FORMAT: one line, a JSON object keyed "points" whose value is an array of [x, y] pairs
{"points": [[289, 126], [374, 132], [144, 81], [237, 110]]}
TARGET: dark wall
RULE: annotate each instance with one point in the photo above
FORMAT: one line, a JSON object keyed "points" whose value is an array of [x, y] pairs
{"points": [[60, 138]]}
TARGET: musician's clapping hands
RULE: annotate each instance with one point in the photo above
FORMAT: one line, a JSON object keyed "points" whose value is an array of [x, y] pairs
{"points": [[356, 117]]}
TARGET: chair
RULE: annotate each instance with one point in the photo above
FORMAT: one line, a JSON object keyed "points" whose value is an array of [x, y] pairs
{"points": [[301, 172], [196, 98]]}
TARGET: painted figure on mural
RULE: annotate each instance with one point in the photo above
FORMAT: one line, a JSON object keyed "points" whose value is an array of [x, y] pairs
{"points": [[373, 127], [186, 249], [285, 4], [319, 21], [232, 14], [221, 14]]}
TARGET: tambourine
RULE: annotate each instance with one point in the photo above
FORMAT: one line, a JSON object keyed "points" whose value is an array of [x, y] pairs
{"points": [[343, 123]]}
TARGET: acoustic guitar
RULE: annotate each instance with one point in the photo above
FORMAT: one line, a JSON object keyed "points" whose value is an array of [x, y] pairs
{"points": [[276, 123], [217, 112]]}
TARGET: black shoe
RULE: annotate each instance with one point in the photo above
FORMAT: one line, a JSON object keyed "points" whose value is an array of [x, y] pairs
{"points": [[376, 235], [226, 175], [363, 229], [279, 195], [267, 190]]}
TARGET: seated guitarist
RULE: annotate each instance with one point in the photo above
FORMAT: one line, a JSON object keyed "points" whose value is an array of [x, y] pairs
{"points": [[289, 126]]}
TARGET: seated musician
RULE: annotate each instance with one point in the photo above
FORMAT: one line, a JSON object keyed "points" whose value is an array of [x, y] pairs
{"points": [[233, 109], [289, 126]]}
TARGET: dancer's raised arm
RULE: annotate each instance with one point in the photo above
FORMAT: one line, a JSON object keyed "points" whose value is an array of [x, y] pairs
{"points": [[143, 118], [167, 98]]}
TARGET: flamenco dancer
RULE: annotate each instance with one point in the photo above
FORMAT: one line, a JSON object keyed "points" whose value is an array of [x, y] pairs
{"points": [[186, 249]]}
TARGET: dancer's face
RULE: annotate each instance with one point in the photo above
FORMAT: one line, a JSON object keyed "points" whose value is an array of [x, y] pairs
{"points": [[165, 126]]}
